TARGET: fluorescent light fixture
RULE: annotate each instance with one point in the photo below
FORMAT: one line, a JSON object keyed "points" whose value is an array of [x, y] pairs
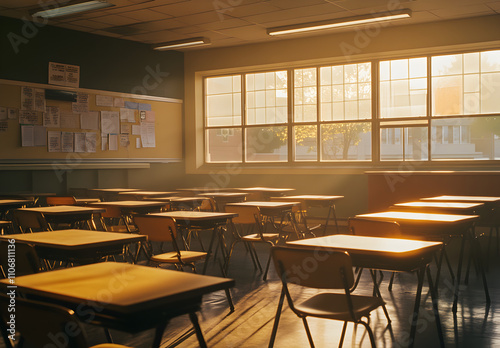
{"points": [[338, 23], [195, 41], [72, 8]]}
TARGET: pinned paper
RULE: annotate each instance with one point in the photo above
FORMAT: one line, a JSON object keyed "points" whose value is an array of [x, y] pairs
{"points": [[52, 117]]}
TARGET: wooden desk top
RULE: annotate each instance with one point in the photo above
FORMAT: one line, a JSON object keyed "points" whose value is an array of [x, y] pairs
{"points": [[480, 199], [119, 287], [443, 205], [129, 204], [224, 194], [15, 202], [195, 215], [367, 245], [310, 198], [265, 189], [377, 252], [148, 193], [266, 204], [420, 217], [186, 199], [74, 239], [114, 190], [65, 210]]}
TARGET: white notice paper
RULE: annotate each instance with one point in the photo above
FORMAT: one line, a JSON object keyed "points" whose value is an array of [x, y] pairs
{"points": [[40, 100], [82, 103], [40, 135], [79, 141], [127, 115], [69, 120], [103, 100], [137, 143], [67, 141], [113, 142], [28, 117], [110, 122], [3, 113], [52, 118], [53, 141], [27, 136], [90, 141], [124, 140], [57, 74], [90, 120], [27, 98], [148, 134], [12, 113], [104, 142], [150, 116], [72, 75], [4, 125], [119, 103]]}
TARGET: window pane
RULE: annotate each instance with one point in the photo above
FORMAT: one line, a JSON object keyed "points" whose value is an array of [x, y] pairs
{"points": [[346, 141], [305, 93], [391, 144], [416, 144], [471, 138], [346, 87], [223, 145], [223, 101], [465, 84], [265, 93], [266, 144], [305, 144], [403, 88]]}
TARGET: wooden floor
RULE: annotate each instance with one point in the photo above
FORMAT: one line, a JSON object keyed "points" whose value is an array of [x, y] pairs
{"points": [[255, 300]]}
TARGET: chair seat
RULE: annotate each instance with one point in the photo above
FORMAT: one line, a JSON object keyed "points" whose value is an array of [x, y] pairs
{"points": [[289, 228], [334, 306], [186, 256], [256, 238], [109, 345]]}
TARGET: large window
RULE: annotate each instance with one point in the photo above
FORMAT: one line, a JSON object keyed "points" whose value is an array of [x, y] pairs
{"points": [[426, 108]]}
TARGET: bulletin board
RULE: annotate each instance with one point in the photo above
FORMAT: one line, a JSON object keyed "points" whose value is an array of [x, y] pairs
{"points": [[167, 116]]}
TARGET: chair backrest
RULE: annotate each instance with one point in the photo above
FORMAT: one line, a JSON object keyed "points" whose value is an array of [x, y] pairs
{"points": [[26, 258], [374, 228], [312, 268], [61, 200], [28, 221], [208, 204], [42, 324], [157, 228], [246, 215]]}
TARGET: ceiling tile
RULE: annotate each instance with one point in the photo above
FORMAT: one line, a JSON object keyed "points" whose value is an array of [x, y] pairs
{"points": [[294, 13], [144, 15], [286, 4], [160, 25], [116, 20], [200, 18], [227, 23], [90, 24], [246, 33], [189, 7], [157, 37], [463, 11]]}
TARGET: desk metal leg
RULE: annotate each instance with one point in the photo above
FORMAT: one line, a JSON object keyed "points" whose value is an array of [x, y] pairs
{"points": [[416, 308], [459, 272], [197, 329], [159, 334], [476, 247], [277, 318], [435, 306], [331, 211], [209, 250]]}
